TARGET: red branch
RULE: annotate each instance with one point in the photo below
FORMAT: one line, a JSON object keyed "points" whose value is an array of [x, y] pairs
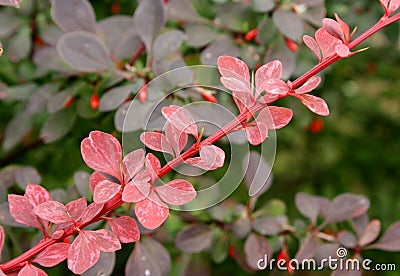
{"points": [[18, 262]]}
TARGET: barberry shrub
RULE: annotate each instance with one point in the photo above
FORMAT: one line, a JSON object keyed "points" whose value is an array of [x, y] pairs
{"points": [[82, 69]]}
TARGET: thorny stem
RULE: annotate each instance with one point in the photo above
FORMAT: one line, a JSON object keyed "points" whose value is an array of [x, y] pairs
{"points": [[18, 262]]}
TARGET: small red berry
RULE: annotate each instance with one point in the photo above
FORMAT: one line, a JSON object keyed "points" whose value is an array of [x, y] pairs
{"points": [[207, 96], [69, 102], [291, 45], [316, 125], [94, 101], [251, 35], [231, 251], [115, 8], [283, 255], [143, 93]]}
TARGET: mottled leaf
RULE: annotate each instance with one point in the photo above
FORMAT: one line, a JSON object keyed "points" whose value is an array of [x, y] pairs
{"points": [[76, 208], [156, 141], [309, 85], [125, 228], [315, 104], [31, 270], [82, 254], [104, 266], [180, 118], [176, 192], [258, 175], [53, 255], [22, 211], [151, 212], [211, 158], [105, 190], [52, 211], [90, 212]]}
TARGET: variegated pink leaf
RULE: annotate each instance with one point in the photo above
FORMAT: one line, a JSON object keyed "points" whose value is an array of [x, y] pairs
{"points": [[82, 254], [342, 50], [275, 117], [52, 211], [180, 118], [234, 84], [151, 212], [133, 162], [345, 28], [176, 138], [231, 67], [102, 152], [104, 240], [36, 194], [2, 238], [393, 6], [125, 228], [315, 104], [95, 178], [135, 191], [176, 192], [211, 158], [90, 212], [334, 28], [256, 133], [31, 270], [271, 70], [21, 210], [326, 42], [311, 43], [76, 208], [105, 190], [153, 166], [309, 85], [156, 141], [275, 86], [53, 255], [243, 100]]}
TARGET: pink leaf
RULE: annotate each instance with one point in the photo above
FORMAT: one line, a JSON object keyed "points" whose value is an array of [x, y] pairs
{"points": [[176, 138], [243, 100], [153, 166], [90, 212], [102, 152], [30, 270], [135, 191], [393, 6], [22, 211], [2, 238], [156, 141], [176, 192], [95, 178], [76, 208], [311, 43], [52, 211], [36, 194], [234, 84], [309, 85], [342, 50], [345, 28], [125, 228], [257, 133], [275, 117], [82, 254], [180, 118], [104, 240], [271, 70], [133, 162], [105, 191], [275, 86], [211, 158], [333, 28], [315, 104], [231, 67], [53, 255], [151, 212], [326, 42]]}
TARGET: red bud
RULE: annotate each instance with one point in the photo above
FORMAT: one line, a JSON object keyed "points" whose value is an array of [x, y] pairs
{"points": [[68, 102], [142, 94], [208, 97], [115, 8], [291, 44], [283, 255], [94, 101], [251, 35], [316, 125]]}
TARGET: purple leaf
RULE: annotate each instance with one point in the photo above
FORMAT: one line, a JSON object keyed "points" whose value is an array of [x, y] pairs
{"points": [[360, 223], [308, 206], [258, 175], [52, 211], [150, 17], [105, 190], [76, 208], [125, 228], [102, 152], [180, 118], [167, 43], [255, 248], [309, 85], [73, 15], [267, 225], [347, 239], [156, 141], [2, 238], [148, 257], [223, 45], [371, 232], [315, 104], [176, 192], [199, 35], [53, 255], [390, 240], [308, 249], [211, 158], [27, 175], [346, 206], [288, 23], [82, 254], [104, 266], [151, 212], [84, 52], [115, 97], [194, 238], [57, 125]]}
